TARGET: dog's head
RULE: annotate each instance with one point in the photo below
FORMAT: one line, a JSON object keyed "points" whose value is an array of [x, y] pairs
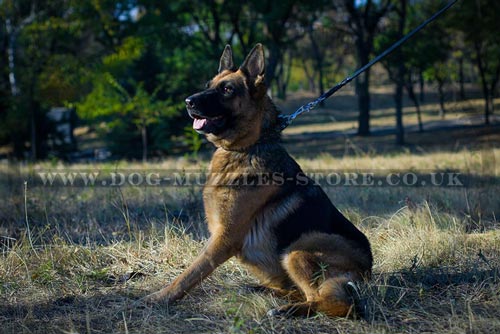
{"points": [[234, 110]]}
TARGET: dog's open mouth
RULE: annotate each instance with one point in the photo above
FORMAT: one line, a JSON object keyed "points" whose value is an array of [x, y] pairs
{"points": [[207, 124]]}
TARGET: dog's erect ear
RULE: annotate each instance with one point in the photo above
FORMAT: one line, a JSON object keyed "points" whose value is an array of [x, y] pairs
{"points": [[254, 64], [226, 60]]}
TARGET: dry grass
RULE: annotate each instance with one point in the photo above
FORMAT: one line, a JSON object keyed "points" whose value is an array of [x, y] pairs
{"points": [[429, 278], [94, 250], [74, 258]]}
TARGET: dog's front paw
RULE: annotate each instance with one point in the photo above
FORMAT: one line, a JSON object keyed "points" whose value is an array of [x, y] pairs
{"points": [[160, 297], [157, 297]]}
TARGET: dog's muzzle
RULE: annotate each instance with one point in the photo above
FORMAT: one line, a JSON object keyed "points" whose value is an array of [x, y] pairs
{"points": [[207, 112]]}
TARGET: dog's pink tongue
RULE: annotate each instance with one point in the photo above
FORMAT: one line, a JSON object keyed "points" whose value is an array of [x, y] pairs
{"points": [[199, 123]]}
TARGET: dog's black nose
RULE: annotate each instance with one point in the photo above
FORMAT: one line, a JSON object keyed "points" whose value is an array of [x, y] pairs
{"points": [[189, 102]]}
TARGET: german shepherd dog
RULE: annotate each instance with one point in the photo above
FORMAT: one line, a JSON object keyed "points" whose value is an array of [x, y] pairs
{"points": [[284, 229]]}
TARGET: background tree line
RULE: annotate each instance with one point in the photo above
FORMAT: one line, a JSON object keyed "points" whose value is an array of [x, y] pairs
{"points": [[127, 65]]}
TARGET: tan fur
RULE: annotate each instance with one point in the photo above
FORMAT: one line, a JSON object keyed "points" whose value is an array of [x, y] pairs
{"points": [[320, 265], [242, 219]]}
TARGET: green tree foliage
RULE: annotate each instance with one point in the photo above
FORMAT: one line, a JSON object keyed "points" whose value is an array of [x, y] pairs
{"points": [[138, 90], [38, 36], [127, 65], [121, 103]]}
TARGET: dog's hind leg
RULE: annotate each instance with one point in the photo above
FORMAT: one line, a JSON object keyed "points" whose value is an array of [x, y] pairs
{"points": [[321, 293], [321, 266]]}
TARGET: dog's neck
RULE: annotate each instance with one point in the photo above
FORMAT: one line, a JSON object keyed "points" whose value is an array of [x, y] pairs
{"points": [[271, 124], [269, 132]]}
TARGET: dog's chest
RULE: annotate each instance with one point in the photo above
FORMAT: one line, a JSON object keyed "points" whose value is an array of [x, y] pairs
{"points": [[260, 244]]}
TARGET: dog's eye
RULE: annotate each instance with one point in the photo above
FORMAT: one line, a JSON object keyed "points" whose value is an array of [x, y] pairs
{"points": [[228, 90], [207, 84]]}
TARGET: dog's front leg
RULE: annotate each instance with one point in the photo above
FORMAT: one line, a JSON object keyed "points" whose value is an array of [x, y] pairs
{"points": [[214, 254]]}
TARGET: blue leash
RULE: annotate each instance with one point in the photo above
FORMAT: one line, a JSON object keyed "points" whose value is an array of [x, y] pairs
{"points": [[287, 119]]}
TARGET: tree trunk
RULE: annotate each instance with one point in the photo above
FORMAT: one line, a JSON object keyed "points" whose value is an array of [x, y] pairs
{"points": [[12, 33], [400, 79], [413, 97], [363, 91], [275, 57], [493, 86], [283, 77], [318, 57], [11, 42], [288, 74], [398, 99], [280, 81], [461, 78], [442, 110], [484, 84], [309, 76], [33, 134], [144, 135], [17, 141], [321, 87], [363, 22], [421, 82], [18, 146]]}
